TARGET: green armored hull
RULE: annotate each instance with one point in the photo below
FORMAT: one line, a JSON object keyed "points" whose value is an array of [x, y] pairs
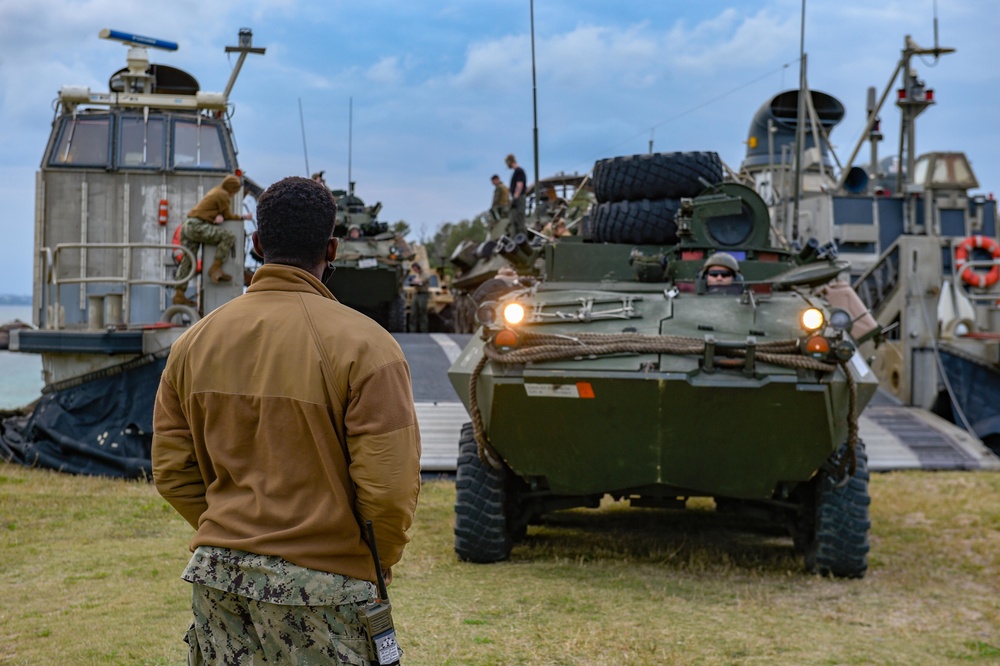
{"points": [[620, 371], [665, 423]]}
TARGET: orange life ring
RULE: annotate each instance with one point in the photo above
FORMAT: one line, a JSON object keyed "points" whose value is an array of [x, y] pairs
{"points": [[178, 255], [964, 251]]}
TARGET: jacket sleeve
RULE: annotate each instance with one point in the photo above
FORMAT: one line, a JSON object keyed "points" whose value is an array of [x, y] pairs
{"points": [[384, 444], [175, 468], [226, 208]]}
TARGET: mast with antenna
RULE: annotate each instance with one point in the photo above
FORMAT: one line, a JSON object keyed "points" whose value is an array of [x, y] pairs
{"points": [[302, 124], [800, 122], [350, 136], [912, 99], [534, 106]]}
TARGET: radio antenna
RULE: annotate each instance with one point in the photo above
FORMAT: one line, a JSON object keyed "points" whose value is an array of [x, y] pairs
{"points": [[350, 138], [302, 123]]}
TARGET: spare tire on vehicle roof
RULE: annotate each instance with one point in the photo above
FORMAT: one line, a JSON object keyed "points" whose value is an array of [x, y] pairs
{"points": [[643, 222], [655, 176]]}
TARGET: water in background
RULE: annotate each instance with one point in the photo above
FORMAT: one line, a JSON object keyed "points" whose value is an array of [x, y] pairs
{"points": [[20, 374]]}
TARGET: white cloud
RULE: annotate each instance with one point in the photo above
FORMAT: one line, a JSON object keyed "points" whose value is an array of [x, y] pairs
{"points": [[385, 72]]}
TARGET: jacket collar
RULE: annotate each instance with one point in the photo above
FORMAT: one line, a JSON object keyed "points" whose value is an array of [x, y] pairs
{"points": [[280, 277]]}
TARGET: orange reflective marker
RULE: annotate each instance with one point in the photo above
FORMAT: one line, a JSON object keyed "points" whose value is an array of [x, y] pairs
{"points": [[585, 389], [506, 338], [817, 346]]}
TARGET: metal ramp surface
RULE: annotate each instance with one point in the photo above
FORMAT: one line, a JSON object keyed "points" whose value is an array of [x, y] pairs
{"points": [[899, 437]]}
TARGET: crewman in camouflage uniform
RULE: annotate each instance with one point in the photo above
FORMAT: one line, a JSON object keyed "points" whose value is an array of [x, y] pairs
{"points": [[282, 423], [501, 197], [202, 228], [421, 296]]}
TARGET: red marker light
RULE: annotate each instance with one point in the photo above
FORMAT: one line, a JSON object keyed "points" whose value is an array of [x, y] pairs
{"points": [[505, 338], [817, 346]]}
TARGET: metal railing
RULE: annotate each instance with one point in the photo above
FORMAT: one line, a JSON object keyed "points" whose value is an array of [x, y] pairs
{"points": [[50, 272], [877, 284]]}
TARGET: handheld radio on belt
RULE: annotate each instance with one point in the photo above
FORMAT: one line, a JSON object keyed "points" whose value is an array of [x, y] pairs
{"points": [[377, 618]]}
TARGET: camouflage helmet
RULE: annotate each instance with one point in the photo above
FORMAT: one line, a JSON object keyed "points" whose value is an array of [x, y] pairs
{"points": [[723, 259]]}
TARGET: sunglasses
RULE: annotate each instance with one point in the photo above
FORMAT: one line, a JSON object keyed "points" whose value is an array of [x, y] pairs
{"points": [[718, 274]]}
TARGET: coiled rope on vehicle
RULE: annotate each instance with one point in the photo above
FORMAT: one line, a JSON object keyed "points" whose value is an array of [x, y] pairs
{"points": [[539, 347]]}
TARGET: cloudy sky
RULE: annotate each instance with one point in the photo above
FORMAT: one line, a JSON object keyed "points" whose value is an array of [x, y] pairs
{"points": [[442, 89]]}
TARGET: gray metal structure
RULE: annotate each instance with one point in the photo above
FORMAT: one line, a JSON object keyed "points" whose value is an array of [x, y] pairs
{"points": [[923, 246], [119, 173]]}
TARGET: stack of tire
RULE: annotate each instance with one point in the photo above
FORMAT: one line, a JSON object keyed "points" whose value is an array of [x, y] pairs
{"points": [[638, 196]]}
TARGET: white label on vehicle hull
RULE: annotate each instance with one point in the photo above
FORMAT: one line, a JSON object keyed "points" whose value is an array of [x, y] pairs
{"points": [[578, 390], [371, 262], [859, 364]]}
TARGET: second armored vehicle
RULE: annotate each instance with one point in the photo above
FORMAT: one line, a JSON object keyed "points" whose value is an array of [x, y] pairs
{"points": [[623, 371], [371, 263]]}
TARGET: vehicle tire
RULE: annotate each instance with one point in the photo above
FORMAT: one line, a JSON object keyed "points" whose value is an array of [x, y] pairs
{"points": [[443, 321], [481, 531], [396, 315], [646, 222], [655, 176], [465, 314], [835, 538]]}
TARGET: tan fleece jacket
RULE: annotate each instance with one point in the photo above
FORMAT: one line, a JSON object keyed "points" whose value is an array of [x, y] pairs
{"points": [[284, 420], [217, 201]]}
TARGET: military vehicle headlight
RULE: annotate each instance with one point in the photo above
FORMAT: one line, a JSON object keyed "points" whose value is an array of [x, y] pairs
{"points": [[486, 313], [513, 313], [844, 350], [811, 320], [840, 320]]}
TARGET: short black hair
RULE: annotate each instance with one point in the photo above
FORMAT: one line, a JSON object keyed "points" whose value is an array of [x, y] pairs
{"points": [[295, 219]]}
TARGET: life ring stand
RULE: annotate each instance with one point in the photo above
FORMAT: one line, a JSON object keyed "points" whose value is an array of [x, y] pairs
{"points": [[964, 251], [178, 255]]}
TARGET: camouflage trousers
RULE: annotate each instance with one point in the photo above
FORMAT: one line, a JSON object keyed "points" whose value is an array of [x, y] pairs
{"points": [[234, 630], [197, 232], [418, 313]]}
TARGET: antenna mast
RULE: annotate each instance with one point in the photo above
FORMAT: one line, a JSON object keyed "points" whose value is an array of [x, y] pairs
{"points": [[800, 130], [302, 124], [350, 135], [534, 106]]}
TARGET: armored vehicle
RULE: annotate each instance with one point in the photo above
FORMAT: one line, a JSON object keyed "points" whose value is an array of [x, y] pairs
{"points": [[619, 370], [562, 197], [371, 263], [117, 177]]}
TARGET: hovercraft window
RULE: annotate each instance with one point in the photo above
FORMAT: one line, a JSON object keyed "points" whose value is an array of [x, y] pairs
{"points": [[83, 142], [199, 145], [142, 143]]}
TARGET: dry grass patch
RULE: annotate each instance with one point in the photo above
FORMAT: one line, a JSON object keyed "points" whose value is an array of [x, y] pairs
{"points": [[90, 573]]}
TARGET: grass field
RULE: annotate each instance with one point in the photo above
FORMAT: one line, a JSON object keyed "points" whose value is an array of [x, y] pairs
{"points": [[89, 574]]}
